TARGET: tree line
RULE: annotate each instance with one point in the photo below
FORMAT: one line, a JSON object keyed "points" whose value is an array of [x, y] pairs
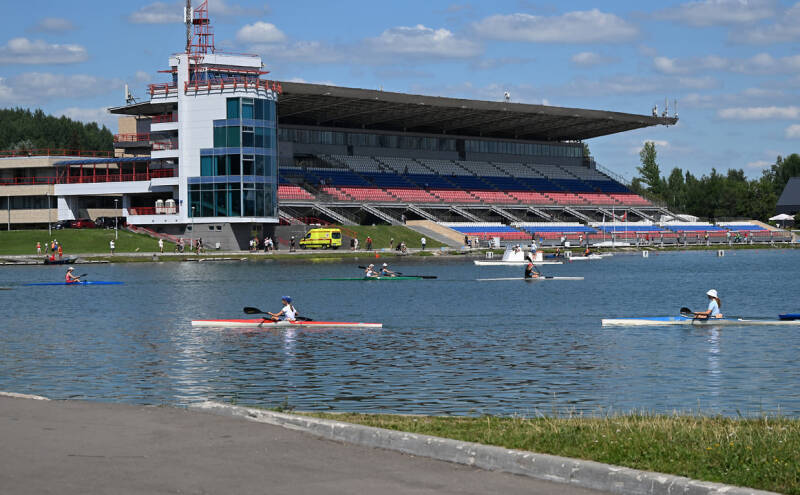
{"points": [[716, 195], [22, 129]]}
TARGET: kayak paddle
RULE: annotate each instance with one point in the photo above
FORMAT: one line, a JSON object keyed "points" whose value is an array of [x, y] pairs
{"points": [[255, 311]]}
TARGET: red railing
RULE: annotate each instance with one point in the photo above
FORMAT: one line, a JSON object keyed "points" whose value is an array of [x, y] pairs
{"points": [[116, 177], [153, 210], [233, 82], [170, 144], [162, 88], [132, 138], [166, 117], [27, 181], [55, 152]]}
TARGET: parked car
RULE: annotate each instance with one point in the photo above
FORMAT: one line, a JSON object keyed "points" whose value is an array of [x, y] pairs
{"points": [[108, 222], [82, 223], [62, 224]]}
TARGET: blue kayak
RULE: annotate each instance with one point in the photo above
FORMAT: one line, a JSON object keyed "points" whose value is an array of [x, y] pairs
{"points": [[88, 282]]}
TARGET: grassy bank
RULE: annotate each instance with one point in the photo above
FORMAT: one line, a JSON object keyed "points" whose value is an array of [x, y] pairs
{"points": [[762, 453], [382, 234], [77, 241]]}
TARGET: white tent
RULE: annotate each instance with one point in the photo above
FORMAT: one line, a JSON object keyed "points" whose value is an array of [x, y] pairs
{"points": [[781, 217]]}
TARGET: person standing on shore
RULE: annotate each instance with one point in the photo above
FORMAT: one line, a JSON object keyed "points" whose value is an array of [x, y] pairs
{"points": [[38, 247], [369, 243], [60, 252], [161, 245], [111, 246], [391, 243], [423, 241]]}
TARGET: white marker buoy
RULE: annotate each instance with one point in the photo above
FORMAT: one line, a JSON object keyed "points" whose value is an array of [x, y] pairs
{"points": [[720, 253], [645, 254]]}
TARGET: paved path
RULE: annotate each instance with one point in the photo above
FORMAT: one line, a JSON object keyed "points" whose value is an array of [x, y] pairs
{"points": [[75, 447]]}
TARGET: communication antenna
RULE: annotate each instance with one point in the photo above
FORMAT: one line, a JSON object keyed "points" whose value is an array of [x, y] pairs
{"points": [[507, 96], [128, 96], [666, 107], [675, 108], [187, 19]]}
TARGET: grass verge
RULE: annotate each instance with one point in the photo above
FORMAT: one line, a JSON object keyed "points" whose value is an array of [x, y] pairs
{"points": [[762, 453], [382, 234], [77, 241]]}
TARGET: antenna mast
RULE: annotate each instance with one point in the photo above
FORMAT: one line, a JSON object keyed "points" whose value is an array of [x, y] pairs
{"points": [[187, 19]]}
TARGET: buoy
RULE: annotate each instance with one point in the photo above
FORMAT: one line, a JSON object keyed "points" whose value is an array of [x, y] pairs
{"points": [[720, 253], [377, 255], [645, 254]]}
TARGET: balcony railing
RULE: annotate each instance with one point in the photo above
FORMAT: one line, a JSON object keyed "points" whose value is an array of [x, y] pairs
{"points": [[163, 89], [236, 82], [54, 152], [150, 210], [132, 138], [164, 118], [116, 177], [167, 144], [27, 181]]}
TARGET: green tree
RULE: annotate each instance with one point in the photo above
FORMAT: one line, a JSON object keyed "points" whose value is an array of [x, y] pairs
{"points": [[649, 171]]}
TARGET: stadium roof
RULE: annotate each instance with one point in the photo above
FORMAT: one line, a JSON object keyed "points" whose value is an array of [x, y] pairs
{"points": [[333, 106], [352, 108]]}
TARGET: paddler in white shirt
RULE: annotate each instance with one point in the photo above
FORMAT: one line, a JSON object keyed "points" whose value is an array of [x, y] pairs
{"points": [[714, 305], [288, 312], [370, 271]]}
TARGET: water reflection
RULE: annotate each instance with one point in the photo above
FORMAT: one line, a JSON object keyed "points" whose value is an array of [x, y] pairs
{"points": [[449, 346]]}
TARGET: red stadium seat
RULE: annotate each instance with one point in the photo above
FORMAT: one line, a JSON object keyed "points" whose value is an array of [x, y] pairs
{"points": [[287, 192]]}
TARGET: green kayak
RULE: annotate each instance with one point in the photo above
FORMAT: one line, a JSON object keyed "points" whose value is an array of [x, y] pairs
{"points": [[400, 277]]}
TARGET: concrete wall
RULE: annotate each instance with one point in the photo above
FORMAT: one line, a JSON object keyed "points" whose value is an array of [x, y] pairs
{"points": [[41, 190], [29, 216]]}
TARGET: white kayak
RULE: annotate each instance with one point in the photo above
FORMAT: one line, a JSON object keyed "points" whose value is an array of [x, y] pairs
{"points": [[649, 321], [514, 263], [586, 258], [262, 323], [538, 279]]}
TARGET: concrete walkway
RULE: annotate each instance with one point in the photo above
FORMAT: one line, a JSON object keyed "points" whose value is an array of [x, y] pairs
{"points": [[76, 447]]}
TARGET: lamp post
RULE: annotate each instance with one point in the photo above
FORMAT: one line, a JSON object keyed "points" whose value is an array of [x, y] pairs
{"points": [[116, 215], [192, 237], [49, 217]]}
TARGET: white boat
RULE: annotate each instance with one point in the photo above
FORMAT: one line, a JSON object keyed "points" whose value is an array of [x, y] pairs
{"points": [[515, 256], [537, 279], [651, 321], [585, 258], [262, 323]]}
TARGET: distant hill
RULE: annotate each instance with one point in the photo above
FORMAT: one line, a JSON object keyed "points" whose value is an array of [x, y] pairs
{"points": [[21, 129]]}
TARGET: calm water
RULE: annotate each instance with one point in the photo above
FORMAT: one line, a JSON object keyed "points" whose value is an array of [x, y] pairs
{"points": [[448, 346]]}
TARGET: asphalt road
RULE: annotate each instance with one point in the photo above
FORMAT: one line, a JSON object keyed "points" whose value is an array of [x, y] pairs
{"points": [[76, 447]]}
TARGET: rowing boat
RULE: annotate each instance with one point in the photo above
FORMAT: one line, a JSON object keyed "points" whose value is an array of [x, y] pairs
{"points": [[790, 316], [262, 323], [514, 263], [87, 282], [538, 279], [648, 321], [399, 277]]}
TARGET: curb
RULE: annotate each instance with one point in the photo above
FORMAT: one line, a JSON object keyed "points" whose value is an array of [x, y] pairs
{"points": [[575, 472]]}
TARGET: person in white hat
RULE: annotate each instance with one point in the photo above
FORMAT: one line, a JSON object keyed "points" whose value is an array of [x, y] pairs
{"points": [[370, 271], [714, 305], [385, 272], [70, 278]]}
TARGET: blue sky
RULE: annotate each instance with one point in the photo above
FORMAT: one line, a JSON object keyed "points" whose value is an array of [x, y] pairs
{"points": [[732, 65]]}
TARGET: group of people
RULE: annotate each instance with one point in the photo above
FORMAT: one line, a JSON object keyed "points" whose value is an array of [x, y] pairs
{"points": [[384, 271], [53, 247], [268, 244]]}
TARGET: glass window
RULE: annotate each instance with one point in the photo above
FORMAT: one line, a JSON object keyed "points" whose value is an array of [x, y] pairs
{"points": [[219, 137], [260, 210], [247, 136], [235, 201], [259, 108], [233, 108], [260, 165], [248, 165], [206, 204], [247, 108], [259, 141], [249, 202], [222, 165], [234, 165], [207, 165], [221, 200], [234, 136]]}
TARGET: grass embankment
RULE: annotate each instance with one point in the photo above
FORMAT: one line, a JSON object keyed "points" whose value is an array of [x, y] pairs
{"points": [[382, 234], [762, 453], [75, 241]]}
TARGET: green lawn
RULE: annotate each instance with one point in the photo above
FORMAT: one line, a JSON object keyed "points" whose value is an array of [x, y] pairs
{"points": [[762, 453], [75, 241], [381, 234]]}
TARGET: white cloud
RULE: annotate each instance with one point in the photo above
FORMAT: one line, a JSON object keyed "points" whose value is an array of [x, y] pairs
{"points": [[158, 13], [313, 52], [220, 8], [660, 143], [762, 63], [760, 113], [667, 65], [720, 12], [592, 26], [422, 41], [25, 51], [785, 29], [88, 115], [590, 59], [758, 164], [260, 32], [37, 87], [793, 131], [142, 76], [52, 25], [496, 63]]}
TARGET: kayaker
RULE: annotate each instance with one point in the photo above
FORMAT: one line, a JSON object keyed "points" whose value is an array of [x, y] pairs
{"points": [[70, 278], [370, 271], [587, 252], [385, 272], [531, 271], [288, 312], [714, 305]]}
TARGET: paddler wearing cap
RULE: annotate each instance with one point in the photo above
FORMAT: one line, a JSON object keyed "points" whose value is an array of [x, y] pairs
{"points": [[70, 278], [531, 271], [287, 313], [714, 305], [385, 272], [370, 272]]}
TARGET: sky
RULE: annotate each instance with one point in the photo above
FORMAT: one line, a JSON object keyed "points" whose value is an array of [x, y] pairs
{"points": [[732, 66]]}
